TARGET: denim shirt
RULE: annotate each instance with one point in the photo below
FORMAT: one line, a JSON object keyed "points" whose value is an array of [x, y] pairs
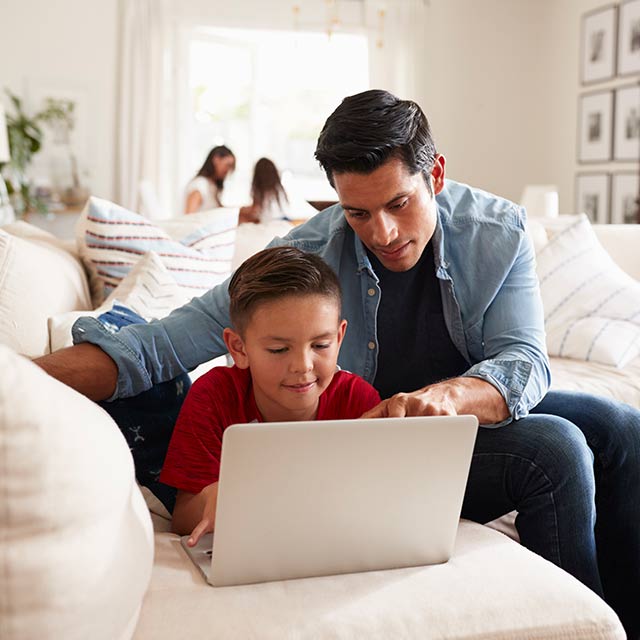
{"points": [[484, 261]]}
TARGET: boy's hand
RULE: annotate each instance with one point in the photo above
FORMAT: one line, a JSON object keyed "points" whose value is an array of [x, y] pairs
{"points": [[210, 496]]}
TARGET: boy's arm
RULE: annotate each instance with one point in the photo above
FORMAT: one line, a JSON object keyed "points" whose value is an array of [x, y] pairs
{"points": [[195, 513]]}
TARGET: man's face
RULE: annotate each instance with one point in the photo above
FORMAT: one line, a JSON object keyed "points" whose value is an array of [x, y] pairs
{"points": [[391, 211]]}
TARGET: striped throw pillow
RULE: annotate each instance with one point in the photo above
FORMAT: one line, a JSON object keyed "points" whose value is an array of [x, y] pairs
{"points": [[591, 306], [112, 239]]}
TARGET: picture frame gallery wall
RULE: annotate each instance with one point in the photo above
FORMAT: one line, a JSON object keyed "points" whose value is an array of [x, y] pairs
{"points": [[609, 115]]}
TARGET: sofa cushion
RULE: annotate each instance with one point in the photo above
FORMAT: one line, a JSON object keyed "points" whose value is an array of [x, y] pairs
{"points": [[76, 545], [148, 289], [112, 239], [591, 306], [38, 279], [491, 588]]}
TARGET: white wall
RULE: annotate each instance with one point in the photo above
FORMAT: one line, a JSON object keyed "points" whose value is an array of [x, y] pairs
{"points": [[484, 91], [67, 47], [499, 79]]}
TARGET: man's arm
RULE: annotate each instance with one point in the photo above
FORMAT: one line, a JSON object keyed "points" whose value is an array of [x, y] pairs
{"points": [[457, 396], [85, 368]]}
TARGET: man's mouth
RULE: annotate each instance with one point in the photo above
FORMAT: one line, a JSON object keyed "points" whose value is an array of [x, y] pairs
{"points": [[395, 252]]}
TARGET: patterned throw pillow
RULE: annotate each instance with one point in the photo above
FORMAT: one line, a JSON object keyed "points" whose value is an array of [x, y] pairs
{"points": [[148, 289], [591, 306], [112, 239]]}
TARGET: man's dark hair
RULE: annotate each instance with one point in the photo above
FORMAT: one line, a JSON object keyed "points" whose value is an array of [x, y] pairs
{"points": [[275, 273], [371, 127]]}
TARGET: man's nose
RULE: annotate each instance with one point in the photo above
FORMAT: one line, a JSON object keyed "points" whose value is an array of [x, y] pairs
{"points": [[385, 230]]}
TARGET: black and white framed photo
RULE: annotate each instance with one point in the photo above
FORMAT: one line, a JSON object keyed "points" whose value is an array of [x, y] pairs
{"points": [[593, 196], [626, 135], [595, 131], [629, 38], [624, 198], [598, 45]]}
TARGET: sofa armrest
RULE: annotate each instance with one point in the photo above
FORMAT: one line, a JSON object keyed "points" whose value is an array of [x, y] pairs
{"points": [[622, 242]]}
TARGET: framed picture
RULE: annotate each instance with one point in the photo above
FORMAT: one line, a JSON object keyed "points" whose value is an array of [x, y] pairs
{"points": [[626, 135], [595, 126], [624, 198], [598, 45], [629, 38], [593, 195]]}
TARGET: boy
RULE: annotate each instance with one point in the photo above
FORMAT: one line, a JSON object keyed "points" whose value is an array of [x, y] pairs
{"points": [[285, 308]]}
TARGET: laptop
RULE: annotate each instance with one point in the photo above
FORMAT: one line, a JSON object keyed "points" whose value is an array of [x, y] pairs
{"points": [[306, 499]]}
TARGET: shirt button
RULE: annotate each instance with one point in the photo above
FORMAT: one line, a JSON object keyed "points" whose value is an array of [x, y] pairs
{"points": [[372, 292], [372, 345]]}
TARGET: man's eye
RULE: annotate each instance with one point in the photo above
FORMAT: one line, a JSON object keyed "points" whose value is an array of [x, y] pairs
{"points": [[357, 215], [400, 205]]}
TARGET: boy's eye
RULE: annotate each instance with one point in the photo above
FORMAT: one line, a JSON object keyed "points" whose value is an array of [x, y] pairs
{"points": [[323, 345], [279, 350]]}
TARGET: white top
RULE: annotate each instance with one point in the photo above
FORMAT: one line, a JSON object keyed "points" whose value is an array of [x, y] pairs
{"points": [[295, 209], [206, 189]]}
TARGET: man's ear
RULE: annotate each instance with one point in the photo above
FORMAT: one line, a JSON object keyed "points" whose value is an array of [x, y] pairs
{"points": [[342, 327], [437, 173], [235, 344]]}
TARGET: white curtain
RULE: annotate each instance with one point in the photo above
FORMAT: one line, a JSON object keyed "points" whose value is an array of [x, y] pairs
{"points": [[140, 104], [397, 52]]}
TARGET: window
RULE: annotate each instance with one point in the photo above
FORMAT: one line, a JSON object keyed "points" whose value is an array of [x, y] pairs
{"points": [[266, 93]]}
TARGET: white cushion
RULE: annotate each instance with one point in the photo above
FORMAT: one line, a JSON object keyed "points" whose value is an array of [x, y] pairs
{"points": [[76, 545], [111, 240], [252, 238], [37, 280], [591, 306], [148, 289], [491, 588]]}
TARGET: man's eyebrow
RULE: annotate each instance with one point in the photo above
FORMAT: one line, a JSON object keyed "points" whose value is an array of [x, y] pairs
{"points": [[402, 194]]}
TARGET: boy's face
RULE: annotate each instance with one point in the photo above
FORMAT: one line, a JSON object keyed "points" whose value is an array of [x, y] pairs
{"points": [[291, 346]]}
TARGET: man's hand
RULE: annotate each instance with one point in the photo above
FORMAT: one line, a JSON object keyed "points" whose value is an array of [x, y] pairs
{"points": [[452, 397], [206, 524]]}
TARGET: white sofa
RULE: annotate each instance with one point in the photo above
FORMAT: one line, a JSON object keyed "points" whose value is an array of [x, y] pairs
{"points": [[77, 558]]}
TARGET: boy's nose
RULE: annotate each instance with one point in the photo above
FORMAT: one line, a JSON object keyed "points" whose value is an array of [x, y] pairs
{"points": [[302, 363]]}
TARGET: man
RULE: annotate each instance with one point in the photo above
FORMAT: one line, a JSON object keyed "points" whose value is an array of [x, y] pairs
{"points": [[445, 317]]}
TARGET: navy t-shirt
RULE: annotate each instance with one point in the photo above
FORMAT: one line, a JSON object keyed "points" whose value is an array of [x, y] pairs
{"points": [[415, 348]]}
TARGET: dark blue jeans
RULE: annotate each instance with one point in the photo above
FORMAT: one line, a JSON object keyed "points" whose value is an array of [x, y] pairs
{"points": [[572, 471], [146, 421]]}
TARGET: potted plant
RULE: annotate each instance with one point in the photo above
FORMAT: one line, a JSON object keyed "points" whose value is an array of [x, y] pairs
{"points": [[25, 139]]}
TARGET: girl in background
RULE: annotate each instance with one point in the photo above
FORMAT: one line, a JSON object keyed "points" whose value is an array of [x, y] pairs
{"points": [[204, 191], [269, 199]]}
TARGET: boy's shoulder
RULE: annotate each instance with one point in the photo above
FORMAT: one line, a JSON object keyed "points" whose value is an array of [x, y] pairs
{"points": [[347, 397], [224, 383]]}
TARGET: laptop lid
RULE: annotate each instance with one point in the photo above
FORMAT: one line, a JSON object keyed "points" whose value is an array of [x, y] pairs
{"points": [[302, 499]]}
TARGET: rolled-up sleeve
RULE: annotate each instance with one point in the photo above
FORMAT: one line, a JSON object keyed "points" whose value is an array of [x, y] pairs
{"points": [[147, 354], [516, 360]]}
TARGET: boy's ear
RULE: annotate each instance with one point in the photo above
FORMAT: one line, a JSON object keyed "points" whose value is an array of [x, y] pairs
{"points": [[342, 327], [236, 348]]}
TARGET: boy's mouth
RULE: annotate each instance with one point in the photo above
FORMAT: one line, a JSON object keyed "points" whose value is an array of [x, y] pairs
{"points": [[301, 387]]}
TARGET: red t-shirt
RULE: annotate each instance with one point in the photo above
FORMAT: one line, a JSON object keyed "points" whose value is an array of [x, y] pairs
{"points": [[224, 396]]}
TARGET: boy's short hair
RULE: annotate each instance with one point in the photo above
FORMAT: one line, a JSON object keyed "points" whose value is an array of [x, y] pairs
{"points": [[276, 273]]}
